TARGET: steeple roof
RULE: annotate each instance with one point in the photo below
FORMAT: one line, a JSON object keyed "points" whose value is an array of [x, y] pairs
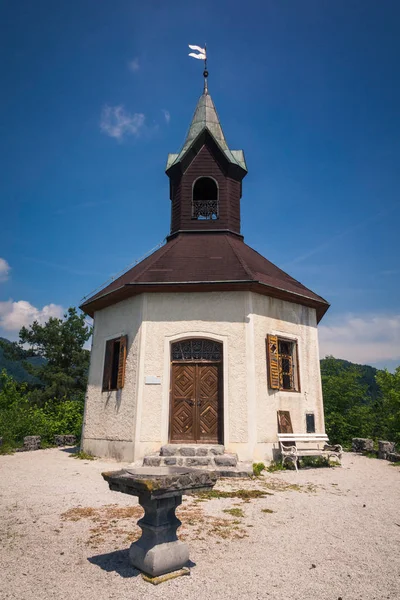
{"points": [[206, 117]]}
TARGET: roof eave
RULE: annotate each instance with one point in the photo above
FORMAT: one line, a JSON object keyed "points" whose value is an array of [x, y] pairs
{"points": [[136, 288]]}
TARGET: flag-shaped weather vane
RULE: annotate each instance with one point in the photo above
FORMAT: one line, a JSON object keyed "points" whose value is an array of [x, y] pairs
{"points": [[201, 55]]}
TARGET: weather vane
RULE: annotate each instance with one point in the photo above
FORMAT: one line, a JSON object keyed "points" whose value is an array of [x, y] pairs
{"points": [[201, 55]]}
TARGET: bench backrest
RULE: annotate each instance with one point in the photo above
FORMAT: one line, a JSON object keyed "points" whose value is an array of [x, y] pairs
{"points": [[298, 439], [303, 437]]}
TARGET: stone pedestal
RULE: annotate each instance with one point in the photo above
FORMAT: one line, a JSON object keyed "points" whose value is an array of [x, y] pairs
{"points": [[159, 551]]}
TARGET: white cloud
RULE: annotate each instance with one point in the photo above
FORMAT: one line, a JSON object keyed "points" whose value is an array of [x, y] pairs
{"points": [[134, 65], [14, 315], [118, 122], [362, 339], [4, 269], [167, 115]]}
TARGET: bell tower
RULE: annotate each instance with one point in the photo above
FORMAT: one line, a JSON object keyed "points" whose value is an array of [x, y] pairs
{"points": [[206, 176]]}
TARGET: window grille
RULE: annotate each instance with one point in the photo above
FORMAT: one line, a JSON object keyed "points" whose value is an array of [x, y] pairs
{"points": [[197, 350], [205, 205]]}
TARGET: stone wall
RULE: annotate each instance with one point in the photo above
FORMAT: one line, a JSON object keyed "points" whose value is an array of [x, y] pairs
{"points": [[386, 450]]}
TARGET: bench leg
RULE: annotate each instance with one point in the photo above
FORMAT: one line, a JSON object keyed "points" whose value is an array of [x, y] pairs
{"points": [[293, 458], [338, 457]]}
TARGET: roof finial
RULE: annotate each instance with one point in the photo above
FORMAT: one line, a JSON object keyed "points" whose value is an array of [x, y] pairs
{"points": [[202, 55], [205, 72]]}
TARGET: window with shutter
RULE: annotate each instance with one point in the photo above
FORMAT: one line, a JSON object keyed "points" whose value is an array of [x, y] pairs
{"points": [[273, 365], [114, 364], [122, 362], [282, 364]]}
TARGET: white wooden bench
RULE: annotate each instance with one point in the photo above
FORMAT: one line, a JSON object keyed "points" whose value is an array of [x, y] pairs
{"points": [[295, 445]]}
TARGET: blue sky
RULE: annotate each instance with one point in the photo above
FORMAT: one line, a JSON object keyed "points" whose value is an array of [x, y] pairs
{"points": [[95, 94]]}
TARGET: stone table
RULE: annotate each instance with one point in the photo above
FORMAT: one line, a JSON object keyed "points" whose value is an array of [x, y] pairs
{"points": [[160, 490]]}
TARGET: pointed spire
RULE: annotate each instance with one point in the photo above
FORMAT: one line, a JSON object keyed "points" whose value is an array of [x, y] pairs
{"points": [[206, 117]]}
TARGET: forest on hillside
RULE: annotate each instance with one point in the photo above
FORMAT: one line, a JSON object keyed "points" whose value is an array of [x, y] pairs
{"points": [[43, 382]]}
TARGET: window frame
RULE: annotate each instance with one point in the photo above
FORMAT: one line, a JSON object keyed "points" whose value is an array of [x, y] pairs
{"points": [[206, 219], [112, 369], [295, 364]]}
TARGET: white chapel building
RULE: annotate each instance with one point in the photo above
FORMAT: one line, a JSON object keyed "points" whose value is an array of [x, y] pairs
{"points": [[204, 342]]}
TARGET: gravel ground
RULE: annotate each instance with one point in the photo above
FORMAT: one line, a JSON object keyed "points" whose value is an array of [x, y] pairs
{"points": [[322, 533]]}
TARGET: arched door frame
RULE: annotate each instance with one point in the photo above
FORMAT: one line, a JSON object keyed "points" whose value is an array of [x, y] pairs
{"points": [[168, 341]]}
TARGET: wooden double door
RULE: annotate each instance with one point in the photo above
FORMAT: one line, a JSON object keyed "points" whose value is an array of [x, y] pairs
{"points": [[196, 403]]}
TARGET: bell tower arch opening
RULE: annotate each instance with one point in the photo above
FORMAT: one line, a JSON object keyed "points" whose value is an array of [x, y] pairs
{"points": [[205, 201]]}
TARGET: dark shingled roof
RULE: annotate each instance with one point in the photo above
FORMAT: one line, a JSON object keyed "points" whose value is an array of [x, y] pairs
{"points": [[205, 262]]}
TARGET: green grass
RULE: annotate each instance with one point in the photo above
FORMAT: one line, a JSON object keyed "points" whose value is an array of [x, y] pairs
{"points": [[235, 512], [267, 510], [370, 454], [395, 464], [82, 455], [241, 494], [6, 448]]}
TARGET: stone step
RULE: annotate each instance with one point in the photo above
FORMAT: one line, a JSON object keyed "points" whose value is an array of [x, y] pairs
{"points": [[192, 450], [211, 461], [241, 469]]}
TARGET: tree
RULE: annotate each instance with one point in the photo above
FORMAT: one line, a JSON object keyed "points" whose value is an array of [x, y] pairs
{"points": [[348, 413], [389, 384], [20, 417], [63, 372]]}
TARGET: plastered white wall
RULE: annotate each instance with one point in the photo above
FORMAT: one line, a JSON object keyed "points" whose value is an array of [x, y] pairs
{"points": [[110, 416], [138, 415], [218, 315], [273, 316]]}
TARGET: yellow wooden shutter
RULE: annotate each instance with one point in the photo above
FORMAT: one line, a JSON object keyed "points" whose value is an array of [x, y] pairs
{"points": [[122, 361], [273, 361]]}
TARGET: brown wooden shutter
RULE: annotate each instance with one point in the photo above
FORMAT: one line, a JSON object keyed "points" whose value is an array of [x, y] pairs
{"points": [[108, 365], [122, 361], [284, 422], [273, 361]]}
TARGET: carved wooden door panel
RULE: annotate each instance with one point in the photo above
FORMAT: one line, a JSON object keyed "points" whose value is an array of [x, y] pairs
{"points": [[196, 411], [208, 399], [183, 404]]}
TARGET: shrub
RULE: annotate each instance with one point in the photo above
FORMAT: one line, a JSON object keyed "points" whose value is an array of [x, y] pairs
{"points": [[275, 466], [258, 468], [316, 462], [19, 417]]}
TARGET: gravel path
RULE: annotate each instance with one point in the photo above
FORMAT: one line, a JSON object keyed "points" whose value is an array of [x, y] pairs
{"points": [[323, 534]]}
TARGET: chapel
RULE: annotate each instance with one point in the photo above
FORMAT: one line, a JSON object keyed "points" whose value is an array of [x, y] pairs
{"points": [[205, 344]]}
